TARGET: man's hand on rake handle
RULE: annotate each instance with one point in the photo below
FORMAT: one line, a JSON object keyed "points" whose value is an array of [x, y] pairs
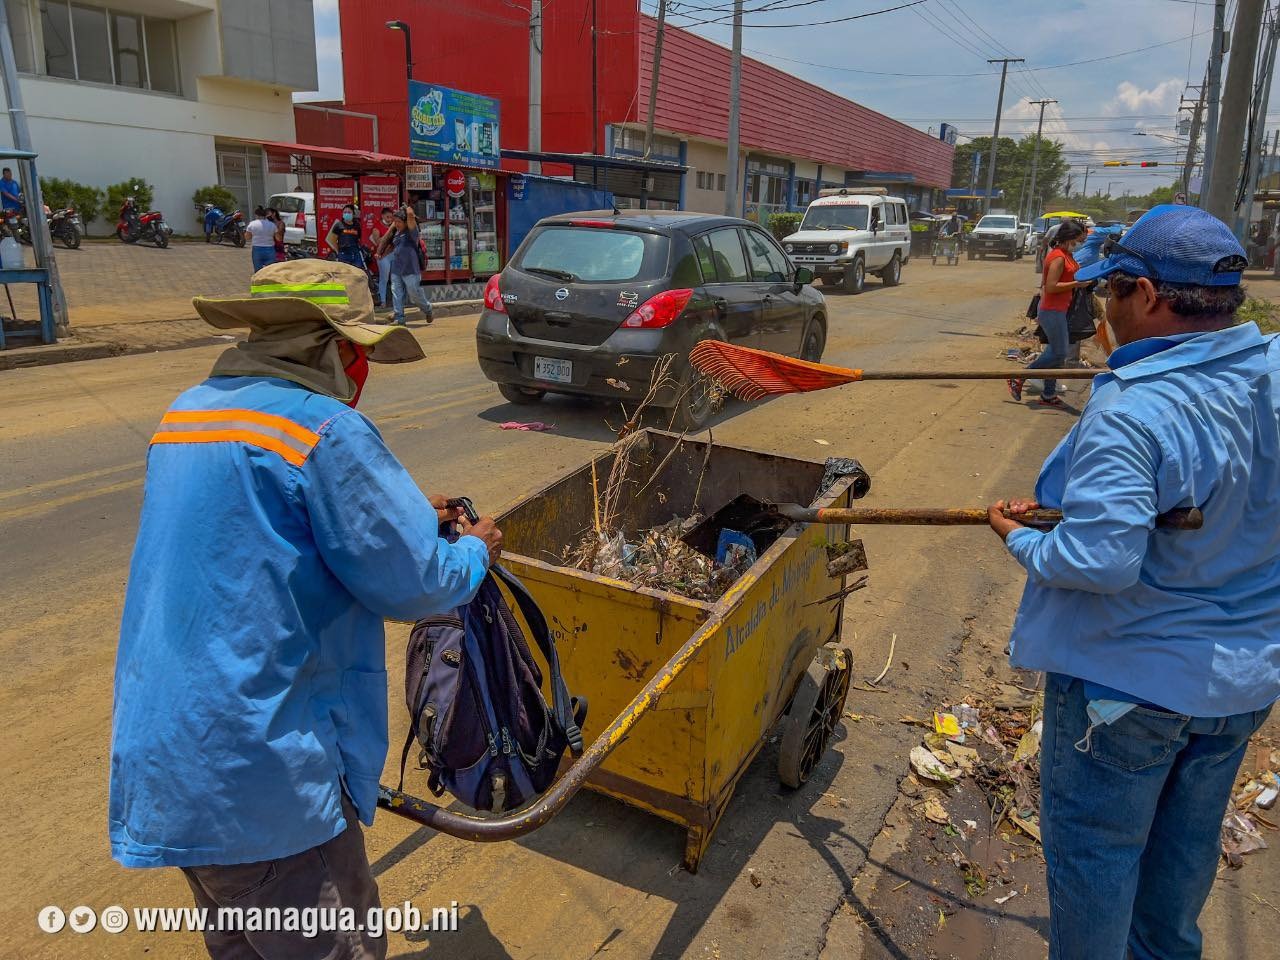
{"points": [[1002, 525]]}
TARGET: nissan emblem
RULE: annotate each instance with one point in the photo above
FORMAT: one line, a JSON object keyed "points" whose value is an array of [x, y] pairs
{"points": [[562, 293]]}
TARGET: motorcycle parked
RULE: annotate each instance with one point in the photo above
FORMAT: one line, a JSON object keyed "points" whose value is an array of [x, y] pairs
{"points": [[219, 226], [135, 226], [66, 227]]}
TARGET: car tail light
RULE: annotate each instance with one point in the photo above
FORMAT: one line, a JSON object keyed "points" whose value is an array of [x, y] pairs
{"points": [[659, 311], [493, 295], [605, 224], [300, 220]]}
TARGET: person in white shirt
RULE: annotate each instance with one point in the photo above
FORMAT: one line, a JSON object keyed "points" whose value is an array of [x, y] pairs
{"points": [[262, 233]]}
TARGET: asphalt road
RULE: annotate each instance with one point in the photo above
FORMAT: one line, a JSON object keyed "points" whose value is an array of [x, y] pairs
{"points": [[602, 879]]}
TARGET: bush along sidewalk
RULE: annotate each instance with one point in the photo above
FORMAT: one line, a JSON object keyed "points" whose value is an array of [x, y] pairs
{"points": [[60, 193]]}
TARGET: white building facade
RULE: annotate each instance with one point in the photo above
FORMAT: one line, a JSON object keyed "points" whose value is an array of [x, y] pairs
{"points": [[162, 90]]}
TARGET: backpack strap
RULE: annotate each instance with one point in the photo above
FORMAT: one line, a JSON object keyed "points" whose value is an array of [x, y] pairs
{"points": [[570, 712]]}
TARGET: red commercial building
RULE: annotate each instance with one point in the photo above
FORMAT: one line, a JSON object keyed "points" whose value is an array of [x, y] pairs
{"points": [[795, 137]]}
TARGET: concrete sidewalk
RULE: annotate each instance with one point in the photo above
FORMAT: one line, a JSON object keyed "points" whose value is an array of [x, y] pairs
{"points": [[134, 298]]}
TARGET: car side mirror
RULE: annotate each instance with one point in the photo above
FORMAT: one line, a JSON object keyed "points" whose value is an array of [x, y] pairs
{"points": [[803, 277]]}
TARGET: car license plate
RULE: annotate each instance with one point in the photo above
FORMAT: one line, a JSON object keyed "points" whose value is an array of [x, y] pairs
{"points": [[555, 371]]}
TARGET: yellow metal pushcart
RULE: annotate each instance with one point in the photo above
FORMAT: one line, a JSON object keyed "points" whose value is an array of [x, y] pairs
{"points": [[683, 693]]}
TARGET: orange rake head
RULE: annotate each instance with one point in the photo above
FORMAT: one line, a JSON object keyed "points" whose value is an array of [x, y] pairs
{"points": [[751, 374]]}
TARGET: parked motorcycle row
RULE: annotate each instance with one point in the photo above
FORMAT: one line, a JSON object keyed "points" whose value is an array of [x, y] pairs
{"points": [[65, 226], [134, 226], [219, 226]]}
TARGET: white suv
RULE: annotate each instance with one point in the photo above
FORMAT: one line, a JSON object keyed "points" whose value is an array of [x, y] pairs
{"points": [[850, 232], [998, 233]]}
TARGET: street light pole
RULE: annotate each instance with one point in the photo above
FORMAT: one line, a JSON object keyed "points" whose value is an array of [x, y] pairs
{"points": [[995, 136], [1223, 177], [408, 44], [1213, 96]]}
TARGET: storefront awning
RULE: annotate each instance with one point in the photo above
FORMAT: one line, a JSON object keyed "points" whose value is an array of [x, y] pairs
{"points": [[630, 177], [280, 155]]}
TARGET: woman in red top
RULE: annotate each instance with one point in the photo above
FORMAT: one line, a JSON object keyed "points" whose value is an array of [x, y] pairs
{"points": [[1055, 300]]}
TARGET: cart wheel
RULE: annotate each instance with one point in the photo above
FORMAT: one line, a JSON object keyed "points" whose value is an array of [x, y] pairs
{"points": [[815, 710]]}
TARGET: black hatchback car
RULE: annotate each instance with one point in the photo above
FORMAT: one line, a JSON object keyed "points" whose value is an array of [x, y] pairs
{"points": [[591, 301]]}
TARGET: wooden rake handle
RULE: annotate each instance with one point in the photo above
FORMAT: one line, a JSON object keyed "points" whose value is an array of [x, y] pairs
{"points": [[1181, 518], [1017, 373]]}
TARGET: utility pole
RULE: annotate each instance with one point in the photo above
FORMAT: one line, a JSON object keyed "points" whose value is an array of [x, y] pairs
{"points": [[1035, 155], [1213, 96], [1220, 195], [653, 79], [1196, 120], [1258, 125], [732, 206], [535, 82], [595, 99], [995, 137], [1084, 191], [40, 238]]}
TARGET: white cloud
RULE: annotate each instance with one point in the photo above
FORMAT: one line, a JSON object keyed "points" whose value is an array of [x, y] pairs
{"points": [[1162, 98]]}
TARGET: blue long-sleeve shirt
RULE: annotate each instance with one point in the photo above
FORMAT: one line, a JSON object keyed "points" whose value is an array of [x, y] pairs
{"points": [[277, 532], [1189, 620]]}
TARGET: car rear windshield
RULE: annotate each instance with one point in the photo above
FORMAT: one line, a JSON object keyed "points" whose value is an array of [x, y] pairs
{"points": [[836, 216], [594, 254], [287, 204], [998, 223]]}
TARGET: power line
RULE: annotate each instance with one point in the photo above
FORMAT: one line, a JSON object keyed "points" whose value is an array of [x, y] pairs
{"points": [[812, 23]]}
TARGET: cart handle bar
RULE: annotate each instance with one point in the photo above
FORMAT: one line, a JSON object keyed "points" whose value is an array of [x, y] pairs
{"points": [[1180, 518], [514, 825]]}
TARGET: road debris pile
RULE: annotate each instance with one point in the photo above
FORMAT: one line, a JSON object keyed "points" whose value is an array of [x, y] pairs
{"points": [[996, 746], [1249, 812], [661, 560]]}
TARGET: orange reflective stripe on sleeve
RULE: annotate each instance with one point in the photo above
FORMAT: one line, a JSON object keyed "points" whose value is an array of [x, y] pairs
{"points": [[263, 430]]}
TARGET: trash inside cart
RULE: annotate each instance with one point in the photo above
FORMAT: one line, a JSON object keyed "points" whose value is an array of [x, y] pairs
{"points": [[683, 692]]}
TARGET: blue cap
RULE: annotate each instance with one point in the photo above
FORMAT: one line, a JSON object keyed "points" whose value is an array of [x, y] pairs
{"points": [[1176, 244]]}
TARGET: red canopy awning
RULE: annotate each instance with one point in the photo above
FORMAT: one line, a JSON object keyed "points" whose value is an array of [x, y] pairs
{"points": [[329, 159]]}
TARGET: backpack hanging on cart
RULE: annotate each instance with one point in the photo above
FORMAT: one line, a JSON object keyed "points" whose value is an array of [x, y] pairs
{"points": [[474, 693]]}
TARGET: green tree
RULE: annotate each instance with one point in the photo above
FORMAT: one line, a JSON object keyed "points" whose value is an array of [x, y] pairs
{"points": [[1013, 168]]}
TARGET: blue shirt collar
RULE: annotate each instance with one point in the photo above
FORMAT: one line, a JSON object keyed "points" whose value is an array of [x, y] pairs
{"points": [[1155, 355]]}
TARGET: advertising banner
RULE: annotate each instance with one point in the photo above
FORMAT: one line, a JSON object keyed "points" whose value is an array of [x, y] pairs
{"points": [[377, 190], [452, 126], [417, 176], [332, 194]]}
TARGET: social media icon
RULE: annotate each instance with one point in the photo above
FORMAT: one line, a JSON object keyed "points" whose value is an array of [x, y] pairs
{"points": [[51, 919], [82, 919], [115, 919]]}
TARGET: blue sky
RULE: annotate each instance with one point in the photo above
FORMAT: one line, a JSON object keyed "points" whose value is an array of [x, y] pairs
{"points": [[927, 64]]}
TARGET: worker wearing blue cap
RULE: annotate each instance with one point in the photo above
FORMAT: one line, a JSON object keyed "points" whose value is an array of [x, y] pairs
{"points": [[1161, 647]]}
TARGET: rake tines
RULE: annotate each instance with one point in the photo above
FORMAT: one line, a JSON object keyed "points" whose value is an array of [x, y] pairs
{"points": [[751, 374]]}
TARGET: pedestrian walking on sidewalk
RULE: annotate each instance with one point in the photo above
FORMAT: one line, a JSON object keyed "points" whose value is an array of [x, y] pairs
{"points": [[1059, 285], [1161, 647], [281, 251], [380, 229], [344, 238], [262, 239], [277, 533], [401, 246]]}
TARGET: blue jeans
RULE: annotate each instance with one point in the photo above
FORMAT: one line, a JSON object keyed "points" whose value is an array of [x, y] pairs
{"points": [[1054, 323], [408, 284], [262, 256], [384, 279], [1131, 824]]}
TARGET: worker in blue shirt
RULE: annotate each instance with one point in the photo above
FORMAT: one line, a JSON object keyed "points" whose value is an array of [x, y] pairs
{"points": [[1161, 647], [277, 533], [10, 191]]}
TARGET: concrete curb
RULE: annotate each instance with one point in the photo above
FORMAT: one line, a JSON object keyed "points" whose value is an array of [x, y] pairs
{"points": [[74, 350]]}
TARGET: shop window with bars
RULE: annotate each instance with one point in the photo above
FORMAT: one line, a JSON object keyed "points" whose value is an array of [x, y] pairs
{"points": [[108, 45]]}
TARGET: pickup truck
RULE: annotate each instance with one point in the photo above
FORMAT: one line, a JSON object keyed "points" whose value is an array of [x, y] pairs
{"points": [[998, 233]]}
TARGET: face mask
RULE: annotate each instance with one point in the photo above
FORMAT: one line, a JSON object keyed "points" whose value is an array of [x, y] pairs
{"points": [[358, 371], [348, 217]]}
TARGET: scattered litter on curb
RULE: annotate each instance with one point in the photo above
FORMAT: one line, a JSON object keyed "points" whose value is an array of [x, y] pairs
{"points": [[824, 443], [618, 384], [925, 764], [934, 810], [535, 426], [1006, 898]]}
